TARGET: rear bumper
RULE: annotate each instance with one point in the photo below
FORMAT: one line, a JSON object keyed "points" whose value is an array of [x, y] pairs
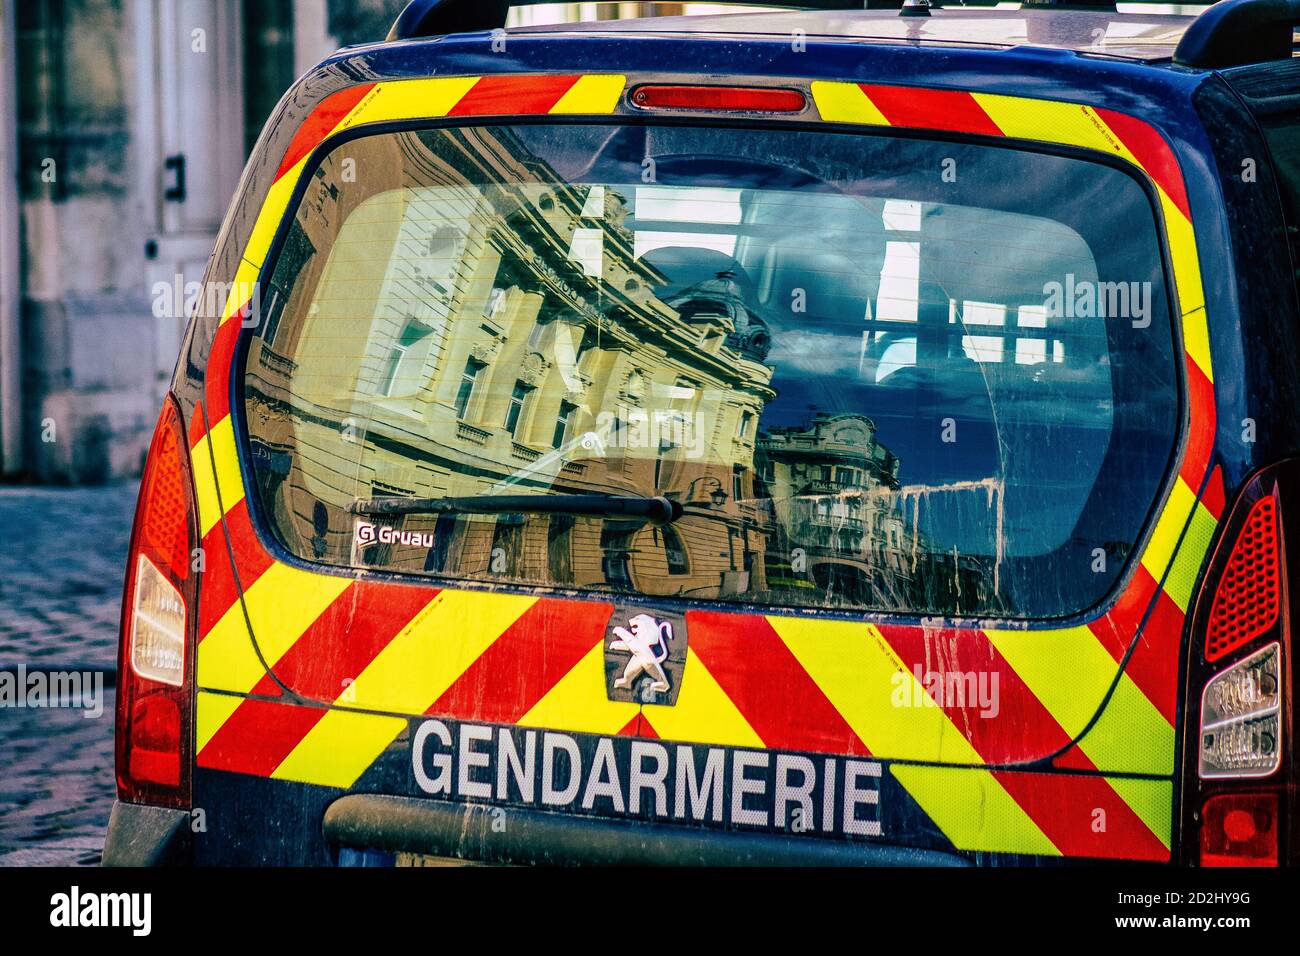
{"points": [[456, 831], [147, 836]]}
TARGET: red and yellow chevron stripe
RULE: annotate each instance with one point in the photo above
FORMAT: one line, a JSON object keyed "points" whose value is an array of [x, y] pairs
{"points": [[374, 652]]}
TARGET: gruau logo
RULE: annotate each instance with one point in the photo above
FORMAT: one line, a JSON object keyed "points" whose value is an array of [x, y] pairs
{"points": [[368, 534], [645, 655]]}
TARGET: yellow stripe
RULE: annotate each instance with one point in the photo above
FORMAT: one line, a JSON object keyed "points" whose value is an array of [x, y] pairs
{"points": [[211, 711], [1187, 562], [246, 274], [269, 218], [434, 649], [1196, 341], [1130, 736], [578, 702], [865, 681], [846, 103], [597, 94], [408, 99], [703, 713], [205, 485], [1164, 538], [1187, 278], [216, 450], [339, 748], [281, 605], [973, 810], [1051, 121], [1069, 670]]}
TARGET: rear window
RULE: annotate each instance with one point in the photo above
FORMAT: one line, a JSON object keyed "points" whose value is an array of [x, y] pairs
{"points": [[873, 372]]}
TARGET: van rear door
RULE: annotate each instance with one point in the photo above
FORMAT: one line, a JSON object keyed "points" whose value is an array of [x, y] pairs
{"points": [[787, 481]]}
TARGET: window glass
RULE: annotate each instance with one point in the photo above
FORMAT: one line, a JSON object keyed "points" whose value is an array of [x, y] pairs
{"points": [[868, 384]]}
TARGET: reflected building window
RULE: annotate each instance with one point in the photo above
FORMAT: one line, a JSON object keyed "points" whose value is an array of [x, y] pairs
{"points": [[397, 369], [518, 399], [559, 548], [507, 544], [468, 380], [446, 533], [675, 552], [562, 424], [616, 551]]}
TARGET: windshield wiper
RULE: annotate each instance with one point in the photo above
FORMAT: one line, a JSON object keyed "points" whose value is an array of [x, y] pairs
{"points": [[658, 510]]}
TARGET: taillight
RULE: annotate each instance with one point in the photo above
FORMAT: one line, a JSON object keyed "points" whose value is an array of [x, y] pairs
{"points": [[1248, 599], [155, 692], [1241, 719], [1239, 669], [1240, 830], [719, 99]]}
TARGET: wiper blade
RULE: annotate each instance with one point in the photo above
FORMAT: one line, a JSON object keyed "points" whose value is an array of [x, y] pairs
{"points": [[658, 510]]}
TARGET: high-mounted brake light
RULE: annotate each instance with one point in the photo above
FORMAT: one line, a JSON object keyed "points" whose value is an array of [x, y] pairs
{"points": [[154, 702], [719, 99]]}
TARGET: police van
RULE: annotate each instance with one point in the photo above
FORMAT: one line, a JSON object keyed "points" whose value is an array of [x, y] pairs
{"points": [[833, 436]]}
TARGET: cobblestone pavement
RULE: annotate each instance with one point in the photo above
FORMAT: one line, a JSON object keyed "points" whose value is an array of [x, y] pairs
{"points": [[61, 571]]}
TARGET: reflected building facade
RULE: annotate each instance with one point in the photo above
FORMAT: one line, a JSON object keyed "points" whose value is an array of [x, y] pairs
{"points": [[514, 343], [840, 514]]}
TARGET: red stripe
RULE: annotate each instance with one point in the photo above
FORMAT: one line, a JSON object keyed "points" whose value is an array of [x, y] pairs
{"points": [[1154, 664], [258, 736], [218, 593], [756, 670], [327, 115], [513, 95], [1020, 729], [1151, 150], [346, 637], [197, 429], [216, 380], [250, 557], [1065, 807], [526, 661], [1213, 496], [1116, 629], [931, 109], [1200, 435]]}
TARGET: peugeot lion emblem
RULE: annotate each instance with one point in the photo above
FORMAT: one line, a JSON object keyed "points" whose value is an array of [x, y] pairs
{"points": [[645, 655]]}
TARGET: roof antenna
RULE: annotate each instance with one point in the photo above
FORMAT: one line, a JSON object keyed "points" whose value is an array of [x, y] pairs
{"points": [[915, 8]]}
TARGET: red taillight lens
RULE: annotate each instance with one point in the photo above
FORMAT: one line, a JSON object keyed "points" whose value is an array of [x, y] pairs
{"points": [[1248, 599], [719, 99], [155, 693], [1240, 830]]}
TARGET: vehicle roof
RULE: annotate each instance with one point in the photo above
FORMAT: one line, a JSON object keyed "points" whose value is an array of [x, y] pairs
{"points": [[1147, 37]]}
